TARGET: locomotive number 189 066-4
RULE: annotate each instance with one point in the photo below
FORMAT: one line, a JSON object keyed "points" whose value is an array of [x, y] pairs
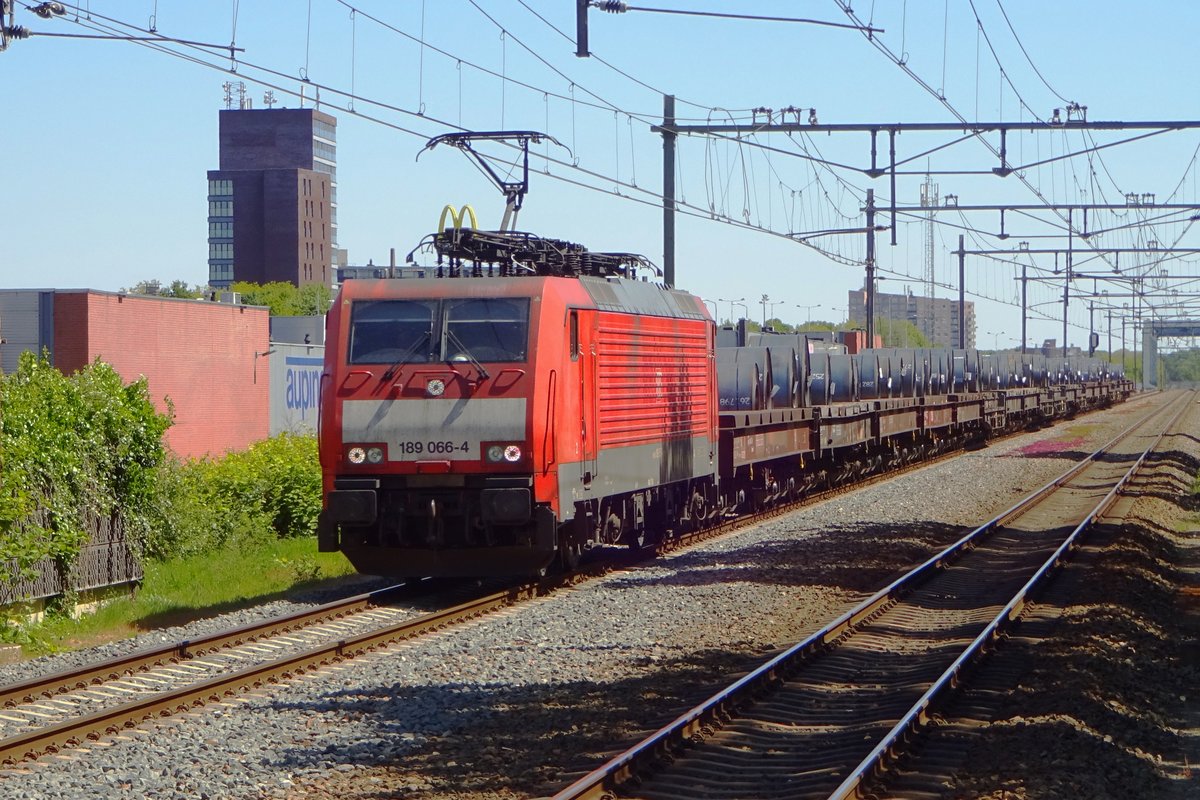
{"points": [[433, 448]]}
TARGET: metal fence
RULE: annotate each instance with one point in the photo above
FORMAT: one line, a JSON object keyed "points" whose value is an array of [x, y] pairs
{"points": [[106, 560]]}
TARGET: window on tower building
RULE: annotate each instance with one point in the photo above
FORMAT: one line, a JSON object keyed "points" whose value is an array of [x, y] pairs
{"points": [[324, 150], [324, 130]]}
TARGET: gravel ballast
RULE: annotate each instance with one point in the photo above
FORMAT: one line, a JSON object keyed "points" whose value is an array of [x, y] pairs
{"points": [[1100, 677], [515, 704]]}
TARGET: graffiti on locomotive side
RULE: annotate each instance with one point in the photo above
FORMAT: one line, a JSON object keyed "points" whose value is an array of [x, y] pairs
{"points": [[303, 384]]}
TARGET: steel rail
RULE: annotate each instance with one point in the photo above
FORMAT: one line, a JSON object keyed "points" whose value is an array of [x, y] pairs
{"points": [[31, 744], [72, 732], [48, 686], [600, 782], [92, 726], [917, 716]]}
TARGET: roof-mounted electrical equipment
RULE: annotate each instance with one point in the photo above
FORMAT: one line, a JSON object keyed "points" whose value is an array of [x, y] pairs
{"points": [[465, 252]]}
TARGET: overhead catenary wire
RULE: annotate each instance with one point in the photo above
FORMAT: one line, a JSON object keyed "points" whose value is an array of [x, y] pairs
{"points": [[996, 57], [879, 45], [615, 7], [649, 198], [1021, 45], [742, 141], [741, 159], [652, 199], [599, 103], [660, 92]]}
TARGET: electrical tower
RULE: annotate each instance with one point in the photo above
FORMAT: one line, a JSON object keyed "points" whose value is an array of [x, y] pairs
{"points": [[929, 200]]}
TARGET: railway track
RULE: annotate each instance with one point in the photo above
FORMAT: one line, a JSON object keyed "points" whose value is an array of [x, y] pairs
{"points": [[829, 716], [63, 710], [48, 713]]}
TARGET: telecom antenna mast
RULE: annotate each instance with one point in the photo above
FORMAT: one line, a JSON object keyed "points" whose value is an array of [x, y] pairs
{"points": [[929, 200]]}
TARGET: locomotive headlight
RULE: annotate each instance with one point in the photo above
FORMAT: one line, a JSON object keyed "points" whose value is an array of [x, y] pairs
{"points": [[357, 455], [375, 454], [512, 454], [495, 453], [435, 387]]}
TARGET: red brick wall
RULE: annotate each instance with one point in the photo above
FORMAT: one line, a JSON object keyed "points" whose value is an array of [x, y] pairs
{"points": [[198, 354]]}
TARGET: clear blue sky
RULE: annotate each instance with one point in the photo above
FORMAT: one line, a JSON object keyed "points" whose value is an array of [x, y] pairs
{"points": [[106, 143]]}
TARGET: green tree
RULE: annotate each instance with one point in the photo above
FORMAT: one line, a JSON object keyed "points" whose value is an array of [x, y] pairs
{"points": [[819, 326], [176, 288], [285, 299], [314, 299], [1182, 366], [1130, 361], [779, 326], [279, 296]]}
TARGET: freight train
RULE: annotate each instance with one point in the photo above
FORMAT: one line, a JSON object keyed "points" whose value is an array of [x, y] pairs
{"points": [[523, 400]]}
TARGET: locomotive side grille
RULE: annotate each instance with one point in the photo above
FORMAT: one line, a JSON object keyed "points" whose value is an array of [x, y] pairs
{"points": [[652, 379]]}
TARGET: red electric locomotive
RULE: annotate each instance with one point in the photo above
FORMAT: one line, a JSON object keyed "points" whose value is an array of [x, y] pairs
{"points": [[521, 400]]}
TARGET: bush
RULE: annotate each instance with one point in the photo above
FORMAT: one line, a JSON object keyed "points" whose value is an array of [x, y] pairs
{"points": [[85, 446], [73, 448], [245, 498], [191, 518], [280, 476]]}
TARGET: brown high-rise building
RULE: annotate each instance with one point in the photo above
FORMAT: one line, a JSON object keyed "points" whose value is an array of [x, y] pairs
{"points": [[272, 204]]}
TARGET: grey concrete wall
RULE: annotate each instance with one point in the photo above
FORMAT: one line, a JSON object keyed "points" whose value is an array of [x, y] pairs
{"points": [[24, 324]]}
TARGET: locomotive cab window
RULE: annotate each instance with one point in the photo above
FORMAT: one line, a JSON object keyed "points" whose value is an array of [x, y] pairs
{"points": [[386, 331], [574, 335], [485, 329]]}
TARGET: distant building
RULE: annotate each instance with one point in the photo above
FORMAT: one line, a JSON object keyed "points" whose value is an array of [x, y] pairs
{"points": [[210, 361], [936, 318], [272, 204]]}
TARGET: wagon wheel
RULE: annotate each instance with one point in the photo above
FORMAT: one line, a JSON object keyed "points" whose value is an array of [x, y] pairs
{"points": [[697, 510]]}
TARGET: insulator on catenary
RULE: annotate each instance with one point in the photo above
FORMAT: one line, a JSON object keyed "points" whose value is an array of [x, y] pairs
{"points": [[49, 10], [611, 6]]}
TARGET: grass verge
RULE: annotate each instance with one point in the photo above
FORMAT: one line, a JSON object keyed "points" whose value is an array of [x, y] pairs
{"points": [[179, 591]]}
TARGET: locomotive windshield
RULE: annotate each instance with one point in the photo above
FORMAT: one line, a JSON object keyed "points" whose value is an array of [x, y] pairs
{"points": [[420, 331], [383, 331], [488, 329]]}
